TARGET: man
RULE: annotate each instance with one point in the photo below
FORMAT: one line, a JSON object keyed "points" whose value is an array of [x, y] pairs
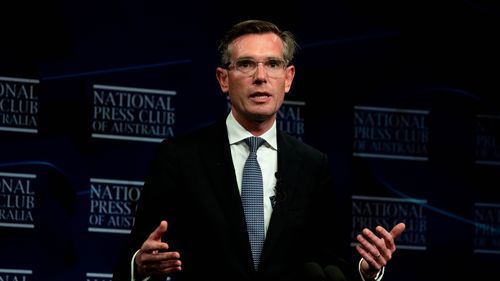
{"points": [[193, 223]]}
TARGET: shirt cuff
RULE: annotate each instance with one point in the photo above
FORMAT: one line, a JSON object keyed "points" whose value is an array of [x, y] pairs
{"points": [[379, 275], [132, 268]]}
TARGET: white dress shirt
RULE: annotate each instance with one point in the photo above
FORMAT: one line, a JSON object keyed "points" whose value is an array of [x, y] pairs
{"points": [[267, 156]]}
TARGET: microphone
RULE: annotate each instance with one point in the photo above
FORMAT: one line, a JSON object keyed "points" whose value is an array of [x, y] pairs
{"points": [[280, 193], [334, 273], [313, 272]]}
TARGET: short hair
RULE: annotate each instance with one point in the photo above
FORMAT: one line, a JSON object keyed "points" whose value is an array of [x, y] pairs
{"points": [[256, 27]]}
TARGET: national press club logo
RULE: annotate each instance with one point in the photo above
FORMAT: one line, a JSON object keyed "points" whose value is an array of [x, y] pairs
{"points": [[17, 205], [290, 118], [137, 114], [487, 228], [18, 104], [370, 211], [10, 274], [488, 139], [17, 200], [487, 214], [391, 133], [97, 276], [112, 205]]}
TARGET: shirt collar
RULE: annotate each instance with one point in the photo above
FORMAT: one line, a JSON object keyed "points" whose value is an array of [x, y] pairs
{"points": [[237, 133]]}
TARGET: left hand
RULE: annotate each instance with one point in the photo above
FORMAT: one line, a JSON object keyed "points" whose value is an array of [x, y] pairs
{"points": [[377, 251]]}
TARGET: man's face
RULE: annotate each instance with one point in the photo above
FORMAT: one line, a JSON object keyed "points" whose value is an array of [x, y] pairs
{"points": [[255, 81]]}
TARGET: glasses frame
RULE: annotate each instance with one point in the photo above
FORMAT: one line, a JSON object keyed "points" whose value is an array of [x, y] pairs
{"points": [[273, 66]]}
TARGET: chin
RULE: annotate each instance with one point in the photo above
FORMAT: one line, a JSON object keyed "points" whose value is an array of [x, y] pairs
{"points": [[261, 116]]}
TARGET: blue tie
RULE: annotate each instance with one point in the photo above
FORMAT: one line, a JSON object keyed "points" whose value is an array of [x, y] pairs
{"points": [[252, 197]]}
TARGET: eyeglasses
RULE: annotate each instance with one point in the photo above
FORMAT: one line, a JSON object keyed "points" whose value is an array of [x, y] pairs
{"points": [[248, 66]]}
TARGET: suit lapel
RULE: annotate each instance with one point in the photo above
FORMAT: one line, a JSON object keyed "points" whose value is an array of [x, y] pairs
{"points": [[289, 163], [216, 155]]}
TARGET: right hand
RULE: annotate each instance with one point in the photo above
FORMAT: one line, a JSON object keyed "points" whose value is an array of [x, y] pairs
{"points": [[154, 258]]}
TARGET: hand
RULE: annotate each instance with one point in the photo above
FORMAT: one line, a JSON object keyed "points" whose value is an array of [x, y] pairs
{"points": [[377, 252], [153, 258]]}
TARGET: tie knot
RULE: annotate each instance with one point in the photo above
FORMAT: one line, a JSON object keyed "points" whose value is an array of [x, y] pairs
{"points": [[254, 143]]}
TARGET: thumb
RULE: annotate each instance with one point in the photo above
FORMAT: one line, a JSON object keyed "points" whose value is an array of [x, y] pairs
{"points": [[397, 230], [159, 231]]}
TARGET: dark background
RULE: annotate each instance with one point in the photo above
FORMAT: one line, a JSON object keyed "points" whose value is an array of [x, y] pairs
{"points": [[440, 56]]}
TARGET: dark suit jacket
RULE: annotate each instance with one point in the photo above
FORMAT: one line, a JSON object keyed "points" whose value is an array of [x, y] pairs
{"points": [[192, 185]]}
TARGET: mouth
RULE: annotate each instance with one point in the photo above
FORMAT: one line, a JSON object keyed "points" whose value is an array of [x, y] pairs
{"points": [[259, 96]]}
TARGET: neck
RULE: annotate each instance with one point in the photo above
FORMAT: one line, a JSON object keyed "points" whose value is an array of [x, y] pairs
{"points": [[256, 126]]}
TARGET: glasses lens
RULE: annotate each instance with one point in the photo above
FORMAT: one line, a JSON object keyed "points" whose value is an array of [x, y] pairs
{"points": [[246, 65], [273, 67]]}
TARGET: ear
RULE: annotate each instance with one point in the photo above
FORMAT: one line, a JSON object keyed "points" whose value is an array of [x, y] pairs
{"points": [[290, 74], [222, 76]]}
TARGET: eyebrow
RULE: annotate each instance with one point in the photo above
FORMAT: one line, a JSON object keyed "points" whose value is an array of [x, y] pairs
{"points": [[266, 58]]}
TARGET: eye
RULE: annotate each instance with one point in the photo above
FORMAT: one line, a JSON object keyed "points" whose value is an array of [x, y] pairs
{"points": [[272, 63], [246, 64]]}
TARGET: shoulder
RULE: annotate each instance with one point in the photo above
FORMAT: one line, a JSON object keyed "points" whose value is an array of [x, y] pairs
{"points": [[291, 143], [212, 134]]}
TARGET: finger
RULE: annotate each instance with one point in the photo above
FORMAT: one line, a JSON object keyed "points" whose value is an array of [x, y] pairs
{"points": [[153, 247], [397, 230], [383, 233], [170, 266], [373, 246], [159, 231], [161, 263], [153, 244], [369, 258], [390, 237], [167, 267], [374, 240], [161, 258], [389, 246]]}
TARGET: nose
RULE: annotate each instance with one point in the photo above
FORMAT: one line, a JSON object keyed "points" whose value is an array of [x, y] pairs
{"points": [[260, 72]]}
